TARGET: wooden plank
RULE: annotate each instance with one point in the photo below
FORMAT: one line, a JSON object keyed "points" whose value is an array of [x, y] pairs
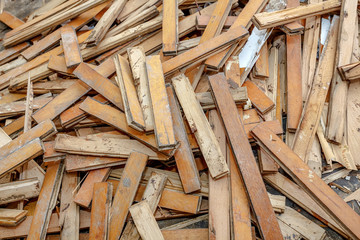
{"points": [[292, 191], [100, 84], [138, 67], [261, 67], [57, 105], [20, 156], [243, 19], [293, 74], [189, 234], [258, 98], [53, 38], [203, 20], [350, 72], [85, 193], [70, 95], [36, 26], [125, 193], [170, 37], [174, 182], [10, 54], [311, 183], [76, 163], [184, 157], [163, 126], [42, 131], [206, 101], [301, 224], [204, 50], [277, 18], [19, 190], [105, 22], [265, 216], [145, 221], [133, 111], [117, 119], [74, 114], [108, 147], [219, 194], [11, 217], [173, 199], [309, 55], [100, 211], [46, 202], [19, 107], [240, 205], [71, 46], [200, 126], [10, 20], [313, 108], [69, 210], [151, 195]]}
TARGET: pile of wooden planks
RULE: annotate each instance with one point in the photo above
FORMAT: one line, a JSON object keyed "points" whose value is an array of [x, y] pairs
{"points": [[186, 119]]}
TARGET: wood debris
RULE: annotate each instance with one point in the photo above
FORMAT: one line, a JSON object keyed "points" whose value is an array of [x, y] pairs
{"points": [[185, 119]]}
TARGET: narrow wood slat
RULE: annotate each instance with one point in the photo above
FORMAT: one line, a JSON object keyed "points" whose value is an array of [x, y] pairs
{"points": [[70, 95], [293, 75], [240, 204], [258, 98], [21, 156], [85, 193], [200, 126], [53, 38], [133, 111], [175, 200], [151, 195], [125, 193], [69, 210], [261, 68], [11, 217], [219, 194], [100, 84], [36, 26], [19, 107], [76, 163], [138, 67], [337, 122], [9, 192], [277, 18], [163, 126], [58, 64], [244, 19], [42, 131], [203, 20], [170, 35], [46, 201], [71, 46], [117, 119], [313, 108], [307, 180], [74, 114], [9, 54], [105, 22], [205, 49], [184, 157], [109, 147], [10, 20], [255, 187], [102, 198], [145, 221]]}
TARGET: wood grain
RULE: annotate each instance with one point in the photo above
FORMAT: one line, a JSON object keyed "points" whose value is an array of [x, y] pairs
{"points": [[264, 213], [163, 125]]}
